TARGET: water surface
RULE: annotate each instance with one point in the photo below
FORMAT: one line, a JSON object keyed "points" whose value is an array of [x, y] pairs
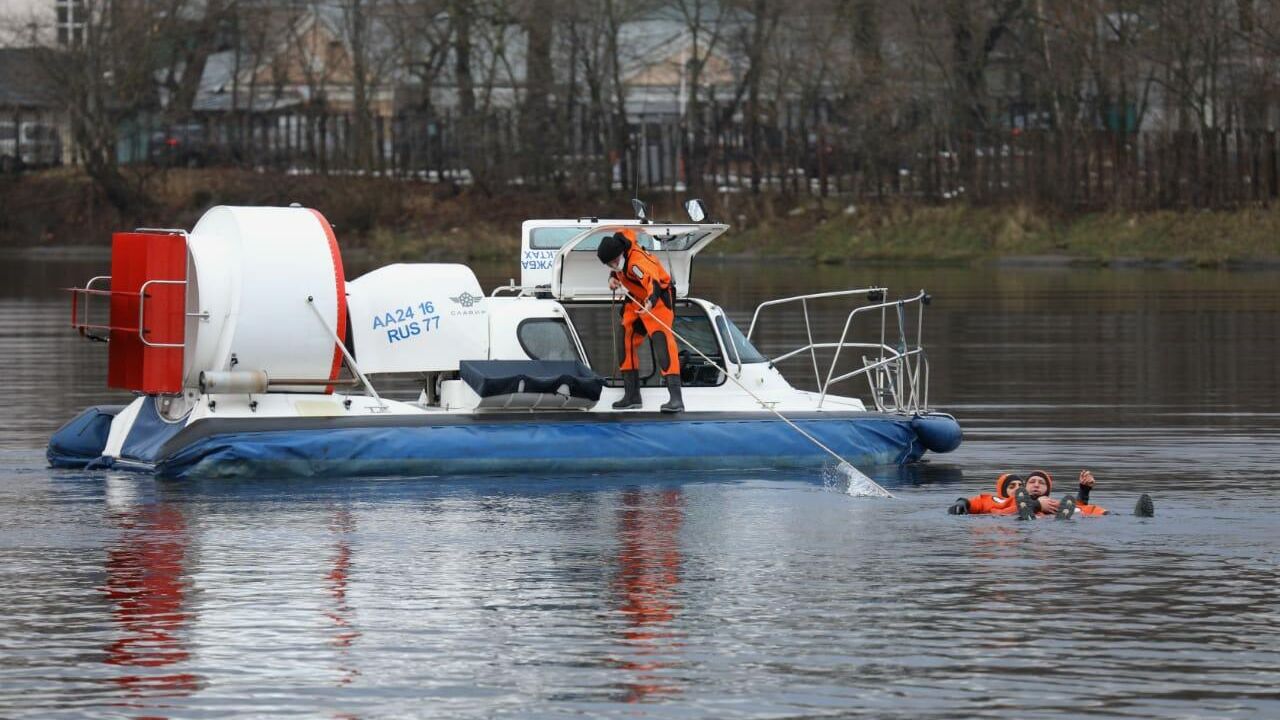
{"points": [[696, 595]]}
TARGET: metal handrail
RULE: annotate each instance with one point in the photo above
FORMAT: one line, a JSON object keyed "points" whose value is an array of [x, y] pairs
{"points": [[901, 353], [897, 375], [142, 306], [162, 231], [808, 327], [879, 363], [518, 290], [811, 296], [825, 346], [88, 293]]}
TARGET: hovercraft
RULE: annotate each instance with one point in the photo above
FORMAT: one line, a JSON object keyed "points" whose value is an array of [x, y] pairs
{"points": [[251, 354]]}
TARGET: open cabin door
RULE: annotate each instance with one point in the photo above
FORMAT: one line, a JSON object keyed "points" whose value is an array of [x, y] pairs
{"points": [[577, 274]]}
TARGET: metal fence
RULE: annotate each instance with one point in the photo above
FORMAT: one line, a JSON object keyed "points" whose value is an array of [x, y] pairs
{"points": [[1070, 170]]}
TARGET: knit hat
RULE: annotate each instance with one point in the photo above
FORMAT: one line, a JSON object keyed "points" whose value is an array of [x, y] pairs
{"points": [[611, 246], [1048, 479], [1004, 480]]}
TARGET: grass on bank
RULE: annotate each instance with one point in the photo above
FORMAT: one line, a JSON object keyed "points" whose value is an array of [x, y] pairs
{"points": [[958, 234], [401, 220]]}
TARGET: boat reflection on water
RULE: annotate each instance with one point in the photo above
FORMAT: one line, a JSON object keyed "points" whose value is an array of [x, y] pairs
{"points": [[647, 587], [342, 524], [146, 584]]}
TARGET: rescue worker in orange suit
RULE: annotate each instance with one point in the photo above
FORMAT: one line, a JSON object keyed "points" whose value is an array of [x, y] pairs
{"points": [[1024, 498], [1031, 499], [649, 285], [1078, 504], [1038, 486], [985, 504]]}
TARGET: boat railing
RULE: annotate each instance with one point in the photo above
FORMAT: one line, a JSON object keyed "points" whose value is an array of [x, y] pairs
{"points": [[897, 375], [82, 300], [507, 291], [82, 308], [514, 290]]}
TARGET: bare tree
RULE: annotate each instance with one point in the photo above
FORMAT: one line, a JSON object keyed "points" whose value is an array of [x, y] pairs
{"points": [[749, 40], [419, 31], [538, 139], [373, 68], [704, 21], [594, 32], [108, 81], [187, 60], [312, 60]]}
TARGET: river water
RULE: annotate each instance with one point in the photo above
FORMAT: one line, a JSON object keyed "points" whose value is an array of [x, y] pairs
{"points": [[696, 595]]}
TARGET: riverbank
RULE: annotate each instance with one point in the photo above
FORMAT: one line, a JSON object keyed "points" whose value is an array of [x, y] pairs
{"points": [[392, 220], [1020, 235]]}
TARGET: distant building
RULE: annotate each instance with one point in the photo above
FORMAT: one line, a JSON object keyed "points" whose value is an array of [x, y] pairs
{"points": [[33, 124], [69, 23], [305, 61], [302, 63]]}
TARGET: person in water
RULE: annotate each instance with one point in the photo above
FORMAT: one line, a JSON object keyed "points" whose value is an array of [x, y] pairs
{"points": [[1030, 498], [1035, 495], [648, 311], [985, 504], [1008, 486]]}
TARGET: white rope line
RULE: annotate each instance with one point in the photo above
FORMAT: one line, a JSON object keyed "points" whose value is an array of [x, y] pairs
{"points": [[755, 397]]}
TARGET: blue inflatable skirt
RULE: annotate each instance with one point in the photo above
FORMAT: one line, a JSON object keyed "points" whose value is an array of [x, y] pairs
{"points": [[514, 444]]}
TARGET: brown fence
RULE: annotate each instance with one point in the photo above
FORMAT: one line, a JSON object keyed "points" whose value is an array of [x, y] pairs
{"points": [[1069, 170]]}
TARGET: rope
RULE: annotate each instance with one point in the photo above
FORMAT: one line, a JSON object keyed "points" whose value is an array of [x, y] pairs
{"points": [[613, 330], [755, 397]]}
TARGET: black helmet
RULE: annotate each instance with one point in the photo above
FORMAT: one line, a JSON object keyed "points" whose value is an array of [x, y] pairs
{"points": [[611, 247]]}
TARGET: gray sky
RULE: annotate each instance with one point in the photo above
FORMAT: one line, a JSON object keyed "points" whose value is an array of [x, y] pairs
{"points": [[17, 13], [24, 8]]}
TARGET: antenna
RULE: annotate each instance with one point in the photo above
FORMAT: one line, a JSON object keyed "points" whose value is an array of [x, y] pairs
{"points": [[635, 169]]}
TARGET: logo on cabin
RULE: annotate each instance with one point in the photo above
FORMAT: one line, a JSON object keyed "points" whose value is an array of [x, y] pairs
{"points": [[466, 299]]}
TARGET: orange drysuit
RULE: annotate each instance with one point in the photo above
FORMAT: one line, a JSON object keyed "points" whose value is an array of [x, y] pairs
{"points": [[646, 280], [1082, 498], [1001, 504], [998, 504]]}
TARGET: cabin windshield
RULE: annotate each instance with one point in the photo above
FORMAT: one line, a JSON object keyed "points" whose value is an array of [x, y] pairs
{"points": [[746, 352], [554, 238]]}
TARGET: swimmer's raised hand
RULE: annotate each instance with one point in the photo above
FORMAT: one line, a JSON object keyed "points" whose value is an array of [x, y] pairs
{"points": [[1086, 479]]}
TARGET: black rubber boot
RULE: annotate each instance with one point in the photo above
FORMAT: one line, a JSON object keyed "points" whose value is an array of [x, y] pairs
{"points": [[1145, 508], [676, 403], [1066, 507], [1026, 506], [959, 507], [630, 391]]}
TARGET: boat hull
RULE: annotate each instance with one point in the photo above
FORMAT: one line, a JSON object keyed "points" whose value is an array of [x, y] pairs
{"points": [[512, 443]]}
